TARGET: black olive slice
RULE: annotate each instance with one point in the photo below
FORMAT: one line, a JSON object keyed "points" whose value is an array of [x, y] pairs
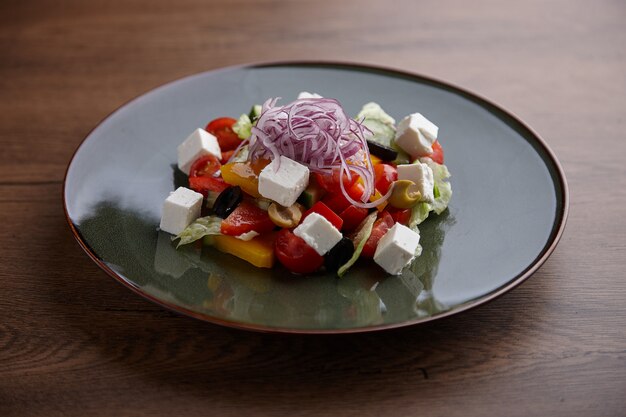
{"points": [[339, 254], [227, 201], [383, 152]]}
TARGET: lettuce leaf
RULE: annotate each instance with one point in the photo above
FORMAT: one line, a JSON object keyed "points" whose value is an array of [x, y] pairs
{"points": [[443, 194], [203, 226], [359, 242], [379, 123], [374, 111], [243, 127], [443, 187], [419, 213], [255, 112]]}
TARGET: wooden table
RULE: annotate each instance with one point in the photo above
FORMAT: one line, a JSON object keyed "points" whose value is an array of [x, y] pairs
{"points": [[74, 342]]}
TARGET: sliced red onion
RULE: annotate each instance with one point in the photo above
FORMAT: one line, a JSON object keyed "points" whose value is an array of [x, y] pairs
{"points": [[315, 132]]}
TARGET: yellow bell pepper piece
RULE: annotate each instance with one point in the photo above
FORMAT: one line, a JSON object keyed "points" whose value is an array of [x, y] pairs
{"points": [[375, 160], [377, 196], [245, 175], [258, 251]]}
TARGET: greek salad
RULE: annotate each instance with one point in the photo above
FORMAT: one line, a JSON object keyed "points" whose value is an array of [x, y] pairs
{"points": [[307, 186]]}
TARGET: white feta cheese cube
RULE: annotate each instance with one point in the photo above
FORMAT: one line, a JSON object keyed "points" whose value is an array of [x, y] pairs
{"points": [[180, 209], [198, 144], [416, 134], [422, 176], [318, 233], [396, 249], [306, 94], [283, 180]]}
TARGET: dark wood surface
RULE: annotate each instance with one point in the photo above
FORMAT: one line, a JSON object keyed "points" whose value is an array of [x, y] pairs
{"points": [[73, 342]]}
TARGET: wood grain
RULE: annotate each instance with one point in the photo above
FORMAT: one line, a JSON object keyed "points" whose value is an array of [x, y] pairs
{"points": [[74, 342]]}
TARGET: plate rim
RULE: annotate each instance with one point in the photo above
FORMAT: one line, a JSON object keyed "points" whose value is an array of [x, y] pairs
{"points": [[556, 234]]}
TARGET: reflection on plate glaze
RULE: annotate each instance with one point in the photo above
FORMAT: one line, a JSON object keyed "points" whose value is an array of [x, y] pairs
{"points": [[242, 292], [245, 295], [222, 286]]}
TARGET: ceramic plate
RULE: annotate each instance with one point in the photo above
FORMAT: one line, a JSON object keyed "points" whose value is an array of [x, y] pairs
{"points": [[507, 212]]}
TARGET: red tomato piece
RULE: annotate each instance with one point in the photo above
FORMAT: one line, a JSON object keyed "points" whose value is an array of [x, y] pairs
{"points": [[437, 154], [222, 129], [384, 176], [330, 183], [356, 191], [382, 224], [401, 216], [337, 202], [226, 156], [203, 185], [201, 177], [352, 217], [205, 166], [323, 210], [295, 254], [246, 218]]}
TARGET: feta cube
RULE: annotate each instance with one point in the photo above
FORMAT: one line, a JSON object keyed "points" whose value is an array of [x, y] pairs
{"points": [[306, 94], [198, 144], [180, 209], [283, 180], [318, 233], [396, 249], [422, 176], [416, 134]]}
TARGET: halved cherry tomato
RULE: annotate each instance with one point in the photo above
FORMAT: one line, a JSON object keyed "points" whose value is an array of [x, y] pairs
{"points": [[222, 129], [246, 218], [352, 217], [401, 216], [205, 166], [295, 254], [384, 176], [323, 210], [382, 224], [203, 185], [201, 177], [437, 154]]}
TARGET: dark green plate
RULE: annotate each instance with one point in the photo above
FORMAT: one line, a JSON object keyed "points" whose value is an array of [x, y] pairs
{"points": [[507, 212]]}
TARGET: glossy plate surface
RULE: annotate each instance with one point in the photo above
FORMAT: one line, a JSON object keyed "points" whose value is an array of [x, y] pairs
{"points": [[507, 213]]}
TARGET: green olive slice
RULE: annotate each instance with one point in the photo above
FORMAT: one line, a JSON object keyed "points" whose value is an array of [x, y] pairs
{"points": [[404, 194], [285, 216]]}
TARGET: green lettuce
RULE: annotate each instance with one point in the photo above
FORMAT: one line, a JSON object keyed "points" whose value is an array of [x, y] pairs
{"points": [[374, 111], [382, 126], [419, 213], [203, 226], [243, 127], [442, 194], [365, 230], [255, 112], [442, 186]]}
